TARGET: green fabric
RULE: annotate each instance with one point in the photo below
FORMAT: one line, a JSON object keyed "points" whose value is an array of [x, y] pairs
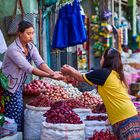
{"points": [[3, 80], [2, 120]]}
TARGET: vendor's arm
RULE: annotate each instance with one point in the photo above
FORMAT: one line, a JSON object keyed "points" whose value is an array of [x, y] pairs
{"points": [[40, 73], [39, 62], [54, 75], [44, 67], [23, 64]]}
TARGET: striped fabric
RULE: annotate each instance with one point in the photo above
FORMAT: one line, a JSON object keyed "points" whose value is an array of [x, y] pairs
{"points": [[128, 129], [105, 34]]}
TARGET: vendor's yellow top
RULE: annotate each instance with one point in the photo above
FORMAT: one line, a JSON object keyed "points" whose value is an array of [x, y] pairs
{"points": [[115, 97]]}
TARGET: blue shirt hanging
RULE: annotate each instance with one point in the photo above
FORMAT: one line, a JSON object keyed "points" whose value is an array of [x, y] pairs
{"points": [[70, 28]]}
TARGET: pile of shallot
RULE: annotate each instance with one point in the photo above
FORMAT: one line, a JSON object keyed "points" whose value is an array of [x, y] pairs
{"points": [[103, 135], [61, 113], [100, 108], [73, 103], [41, 101], [98, 118]]}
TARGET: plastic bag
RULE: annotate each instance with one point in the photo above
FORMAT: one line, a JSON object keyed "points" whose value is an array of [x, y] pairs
{"points": [[92, 126], [82, 112], [62, 131], [32, 122], [9, 127]]}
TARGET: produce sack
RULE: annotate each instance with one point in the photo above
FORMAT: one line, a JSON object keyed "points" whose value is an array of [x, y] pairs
{"points": [[92, 126], [62, 131], [82, 112], [32, 122]]}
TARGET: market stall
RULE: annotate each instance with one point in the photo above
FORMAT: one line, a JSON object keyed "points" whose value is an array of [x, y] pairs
{"points": [[52, 106]]}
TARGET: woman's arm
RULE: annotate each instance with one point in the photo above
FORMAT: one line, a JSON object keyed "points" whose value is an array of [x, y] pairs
{"points": [[68, 70]]}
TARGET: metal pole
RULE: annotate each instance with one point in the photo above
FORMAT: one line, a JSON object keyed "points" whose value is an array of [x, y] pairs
{"points": [[112, 12], [120, 12], [40, 28]]}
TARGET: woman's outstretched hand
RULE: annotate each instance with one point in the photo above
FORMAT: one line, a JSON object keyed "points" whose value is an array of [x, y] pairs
{"points": [[67, 70]]}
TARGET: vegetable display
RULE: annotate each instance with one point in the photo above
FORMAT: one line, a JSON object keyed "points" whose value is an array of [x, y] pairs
{"points": [[100, 108], [56, 93], [107, 135], [41, 101], [36, 87], [89, 101], [61, 113], [99, 118], [73, 103], [72, 91]]}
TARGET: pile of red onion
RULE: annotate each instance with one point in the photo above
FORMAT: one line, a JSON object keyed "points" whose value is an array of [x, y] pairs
{"points": [[107, 135], [61, 113], [36, 87], [41, 101], [98, 118]]}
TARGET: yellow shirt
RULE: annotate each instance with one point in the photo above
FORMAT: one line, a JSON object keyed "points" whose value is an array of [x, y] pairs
{"points": [[115, 97]]}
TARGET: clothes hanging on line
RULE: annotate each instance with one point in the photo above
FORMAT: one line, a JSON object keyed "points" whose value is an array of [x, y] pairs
{"points": [[70, 28]]}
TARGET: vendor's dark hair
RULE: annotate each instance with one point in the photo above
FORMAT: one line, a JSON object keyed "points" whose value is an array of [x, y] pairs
{"points": [[23, 25], [112, 61]]}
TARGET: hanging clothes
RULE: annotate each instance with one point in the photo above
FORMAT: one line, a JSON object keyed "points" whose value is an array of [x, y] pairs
{"points": [[60, 36], [77, 27], [70, 28]]}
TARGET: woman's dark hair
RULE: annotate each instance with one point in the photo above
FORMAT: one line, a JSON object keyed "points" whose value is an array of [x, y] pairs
{"points": [[112, 61], [23, 25]]}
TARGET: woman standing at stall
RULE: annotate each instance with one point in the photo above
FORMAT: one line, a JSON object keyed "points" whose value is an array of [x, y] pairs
{"points": [[113, 91], [17, 65]]}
